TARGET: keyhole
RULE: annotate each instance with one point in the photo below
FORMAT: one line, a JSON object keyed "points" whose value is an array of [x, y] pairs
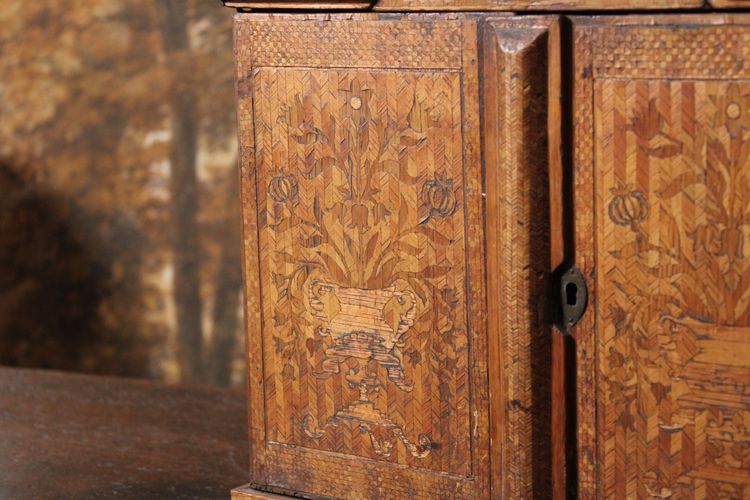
{"points": [[571, 294]]}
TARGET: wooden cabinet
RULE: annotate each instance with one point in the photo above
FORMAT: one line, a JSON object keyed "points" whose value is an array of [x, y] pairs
{"points": [[412, 187]]}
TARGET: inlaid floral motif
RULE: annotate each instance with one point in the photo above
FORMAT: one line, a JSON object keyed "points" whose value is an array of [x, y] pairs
{"points": [[439, 199], [733, 110], [283, 188], [628, 208], [366, 221], [674, 284]]}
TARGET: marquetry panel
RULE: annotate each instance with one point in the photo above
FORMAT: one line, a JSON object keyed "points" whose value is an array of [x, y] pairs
{"points": [[364, 256], [362, 240], [686, 53], [665, 149], [348, 44]]}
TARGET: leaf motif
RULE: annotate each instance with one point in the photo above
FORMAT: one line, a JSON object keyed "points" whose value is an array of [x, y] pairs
{"points": [[386, 271], [313, 241], [278, 279], [393, 168], [716, 150], [662, 271], [435, 271], [418, 287], [363, 135], [407, 248], [317, 167], [317, 210], [679, 183], [666, 151], [286, 224], [279, 319], [279, 344], [370, 249], [288, 258], [333, 267], [647, 122], [435, 236], [305, 136], [419, 116], [403, 214], [669, 232], [411, 141]]}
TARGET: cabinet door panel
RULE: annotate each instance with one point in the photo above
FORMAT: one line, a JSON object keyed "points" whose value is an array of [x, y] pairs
{"points": [[361, 180], [378, 367], [662, 183]]}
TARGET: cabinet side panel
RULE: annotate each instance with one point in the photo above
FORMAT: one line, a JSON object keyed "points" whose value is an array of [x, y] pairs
{"points": [[250, 259], [516, 151]]}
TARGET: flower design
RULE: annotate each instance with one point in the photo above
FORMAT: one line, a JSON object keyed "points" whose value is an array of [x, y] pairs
{"points": [[301, 129], [733, 110], [421, 116], [628, 208], [357, 97], [648, 124], [283, 188], [439, 199], [360, 216], [357, 288], [719, 241]]}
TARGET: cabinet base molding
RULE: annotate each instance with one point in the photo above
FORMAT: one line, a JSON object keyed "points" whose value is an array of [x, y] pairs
{"points": [[247, 492]]}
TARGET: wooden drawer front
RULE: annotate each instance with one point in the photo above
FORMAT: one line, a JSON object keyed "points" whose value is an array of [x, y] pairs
{"points": [[662, 174], [360, 143]]}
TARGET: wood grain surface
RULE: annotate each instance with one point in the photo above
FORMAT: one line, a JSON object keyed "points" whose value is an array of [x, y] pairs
{"points": [[65, 436], [662, 143]]}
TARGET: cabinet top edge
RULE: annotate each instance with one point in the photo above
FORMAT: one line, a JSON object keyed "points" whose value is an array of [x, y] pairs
{"points": [[539, 6], [664, 21], [417, 17]]}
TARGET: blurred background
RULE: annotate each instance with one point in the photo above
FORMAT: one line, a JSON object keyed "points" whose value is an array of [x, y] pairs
{"points": [[119, 215]]}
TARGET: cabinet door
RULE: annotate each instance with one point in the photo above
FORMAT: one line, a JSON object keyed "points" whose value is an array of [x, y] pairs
{"points": [[369, 343], [662, 232]]}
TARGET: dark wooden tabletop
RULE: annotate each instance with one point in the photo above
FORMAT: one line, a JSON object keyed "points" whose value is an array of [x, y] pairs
{"points": [[83, 437]]}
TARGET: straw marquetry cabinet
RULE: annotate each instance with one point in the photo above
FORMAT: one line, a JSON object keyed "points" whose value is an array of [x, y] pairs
{"points": [[493, 254]]}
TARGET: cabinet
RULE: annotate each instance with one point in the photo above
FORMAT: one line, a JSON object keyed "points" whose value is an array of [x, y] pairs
{"points": [[413, 183]]}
